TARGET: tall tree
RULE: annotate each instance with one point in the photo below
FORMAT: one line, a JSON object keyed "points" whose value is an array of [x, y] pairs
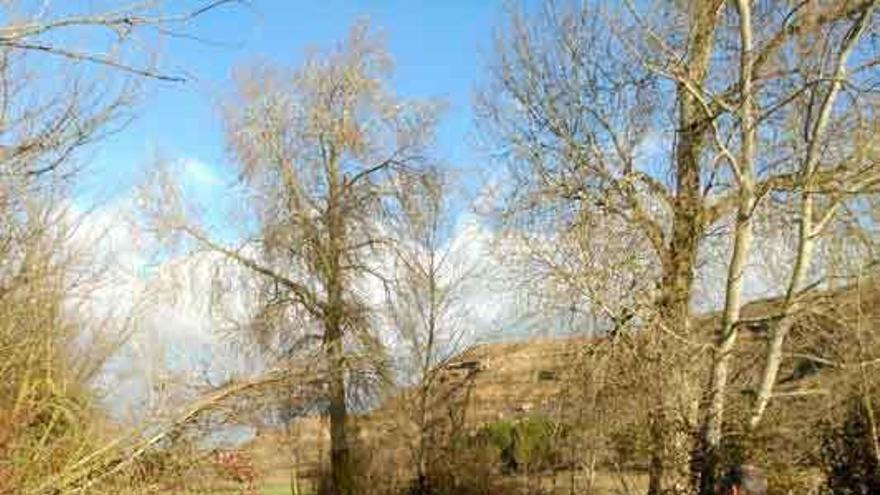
{"points": [[318, 150], [572, 112], [854, 167], [673, 125], [817, 153]]}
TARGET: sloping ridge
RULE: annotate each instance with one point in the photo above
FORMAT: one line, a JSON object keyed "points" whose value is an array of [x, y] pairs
{"points": [[509, 380]]}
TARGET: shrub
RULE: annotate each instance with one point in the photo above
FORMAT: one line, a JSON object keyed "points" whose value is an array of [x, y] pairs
{"points": [[527, 444], [848, 456]]}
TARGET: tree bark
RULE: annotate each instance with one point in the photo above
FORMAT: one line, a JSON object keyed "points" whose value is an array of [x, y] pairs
{"points": [[340, 456], [688, 222], [727, 335]]}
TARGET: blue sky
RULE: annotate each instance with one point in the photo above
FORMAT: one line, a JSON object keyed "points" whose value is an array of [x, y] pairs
{"points": [[440, 49]]}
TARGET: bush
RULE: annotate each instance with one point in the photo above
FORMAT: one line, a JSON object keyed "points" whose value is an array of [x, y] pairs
{"points": [[501, 435], [467, 470], [527, 444], [848, 455], [629, 445]]}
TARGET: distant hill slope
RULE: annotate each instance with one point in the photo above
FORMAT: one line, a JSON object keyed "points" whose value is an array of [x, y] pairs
{"points": [[486, 382], [505, 381]]}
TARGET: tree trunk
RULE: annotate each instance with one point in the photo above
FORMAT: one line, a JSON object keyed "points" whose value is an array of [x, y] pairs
{"points": [[726, 339], [779, 331], [334, 316], [687, 228], [727, 335], [655, 471], [688, 222], [340, 456], [807, 229]]}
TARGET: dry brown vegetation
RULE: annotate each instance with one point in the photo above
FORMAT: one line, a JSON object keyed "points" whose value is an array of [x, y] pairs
{"points": [[597, 407]]}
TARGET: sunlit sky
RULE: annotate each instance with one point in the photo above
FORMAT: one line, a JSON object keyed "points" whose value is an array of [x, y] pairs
{"points": [[440, 50]]}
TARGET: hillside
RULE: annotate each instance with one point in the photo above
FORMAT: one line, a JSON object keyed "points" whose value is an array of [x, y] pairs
{"points": [[509, 381]]}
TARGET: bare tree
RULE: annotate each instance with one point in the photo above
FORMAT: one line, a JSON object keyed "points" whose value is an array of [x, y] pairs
{"points": [[318, 149], [67, 79], [429, 306], [63, 85], [854, 164], [743, 168], [610, 113], [571, 112]]}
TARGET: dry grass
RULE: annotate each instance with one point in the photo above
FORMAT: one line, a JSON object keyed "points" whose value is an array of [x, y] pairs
{"points": [[559, 483]]}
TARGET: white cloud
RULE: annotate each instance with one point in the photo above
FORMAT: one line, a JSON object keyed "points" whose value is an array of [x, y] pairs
{"points": [[200, 173], [162, 304], [169, 300]]}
